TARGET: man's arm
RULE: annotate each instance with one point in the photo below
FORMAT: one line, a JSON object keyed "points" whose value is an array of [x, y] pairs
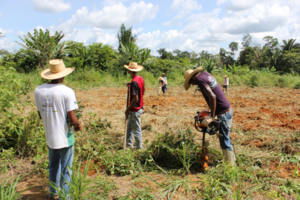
{"points": [[132, 104], [212, 100], [74, 121]]}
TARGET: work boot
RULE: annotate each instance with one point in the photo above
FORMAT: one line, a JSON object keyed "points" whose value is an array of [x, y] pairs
{"points": [[229, 156]]}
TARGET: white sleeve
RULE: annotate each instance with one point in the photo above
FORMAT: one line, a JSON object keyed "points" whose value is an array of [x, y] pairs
{"points": [[36, 100], [71, 102]]}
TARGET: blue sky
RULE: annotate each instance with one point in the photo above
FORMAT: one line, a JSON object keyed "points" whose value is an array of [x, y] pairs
{"points": [[188, 25]]}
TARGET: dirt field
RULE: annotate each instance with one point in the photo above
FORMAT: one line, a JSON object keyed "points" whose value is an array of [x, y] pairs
{"points": [[264, 121]]}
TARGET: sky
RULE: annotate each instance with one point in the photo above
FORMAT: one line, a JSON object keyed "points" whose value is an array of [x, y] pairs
{"points": [[188, 25]]}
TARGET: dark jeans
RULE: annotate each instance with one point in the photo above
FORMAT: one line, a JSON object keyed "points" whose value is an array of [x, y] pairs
{"points": [[164, 88], [59, 161], [226, 118]]}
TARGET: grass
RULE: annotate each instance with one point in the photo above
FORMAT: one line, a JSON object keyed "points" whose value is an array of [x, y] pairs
{"points": [[90, 78]]}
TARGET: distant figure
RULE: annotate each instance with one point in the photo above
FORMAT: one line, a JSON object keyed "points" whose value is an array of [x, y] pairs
{"points": [[166, 82], [225, 84], [163, 84]]}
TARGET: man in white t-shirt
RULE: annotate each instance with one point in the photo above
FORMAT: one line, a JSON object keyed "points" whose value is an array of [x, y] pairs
{"points": [[56, 104], [226, 83]]}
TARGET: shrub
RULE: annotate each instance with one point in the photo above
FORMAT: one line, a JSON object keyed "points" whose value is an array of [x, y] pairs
{"points": [[282, 82], [253, 81], [297, 86]]}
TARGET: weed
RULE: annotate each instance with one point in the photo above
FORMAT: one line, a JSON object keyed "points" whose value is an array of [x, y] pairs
{"points": [[121, 163], [78, 187], [253, 81], [137, 194], [282, 82], [8, 188]]}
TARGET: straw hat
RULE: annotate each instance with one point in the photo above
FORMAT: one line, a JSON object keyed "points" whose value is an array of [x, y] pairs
{"points": [[57, 70], [160, 78], [225, 76], [134, 67], [188, 75], [163, 74]]}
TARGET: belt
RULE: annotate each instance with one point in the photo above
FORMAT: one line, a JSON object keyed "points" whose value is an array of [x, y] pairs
{"points": [[226, 111]]}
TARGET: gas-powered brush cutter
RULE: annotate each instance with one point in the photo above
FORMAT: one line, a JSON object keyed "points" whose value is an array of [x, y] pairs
{"points": [[212, 129]]}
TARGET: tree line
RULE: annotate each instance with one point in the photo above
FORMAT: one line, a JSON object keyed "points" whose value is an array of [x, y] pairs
{"points": [[40, 46]]}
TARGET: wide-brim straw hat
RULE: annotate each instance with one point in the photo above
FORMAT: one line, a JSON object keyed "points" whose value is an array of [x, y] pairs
{"points": [[225, 76], [188, 75], [160, 78], [134, 67], [57, 70]]}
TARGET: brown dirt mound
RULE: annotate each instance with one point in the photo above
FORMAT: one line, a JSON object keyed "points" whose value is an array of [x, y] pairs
{"points": [[264, 110], [287, 169], [259, 143], [94, 167]]}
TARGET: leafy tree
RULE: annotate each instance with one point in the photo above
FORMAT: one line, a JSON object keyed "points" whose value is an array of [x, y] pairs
{"points": [[226, 57], [247, 39], [45, 46], [290, 61], [194, 55], [125, 37], [247, 56], [165, 54], [271, 42], [290, 44], [177, 52], [134, 53], [3, 52], [233, 46]]}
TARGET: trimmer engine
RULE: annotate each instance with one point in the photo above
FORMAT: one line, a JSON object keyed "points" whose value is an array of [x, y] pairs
{"points": [[212, 129]]}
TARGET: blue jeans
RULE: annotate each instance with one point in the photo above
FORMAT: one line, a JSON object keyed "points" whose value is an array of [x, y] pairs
{"points": [[59, 161], [134, 128], [164, 88], [226, 118]]}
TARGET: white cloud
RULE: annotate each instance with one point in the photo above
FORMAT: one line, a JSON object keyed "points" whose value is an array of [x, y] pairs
{"points": [[184, 7], [259, 19], [1, 14], [111, 17], [219, 2], [51, 6], [7, 44], [172, 23], [6, 31], [240, 5]]}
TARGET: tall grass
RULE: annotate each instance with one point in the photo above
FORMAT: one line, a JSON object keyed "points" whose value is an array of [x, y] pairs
{"points": [[90, 78]]}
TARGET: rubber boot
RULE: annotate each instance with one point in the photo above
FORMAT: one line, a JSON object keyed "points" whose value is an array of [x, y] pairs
{"points": [[229, 156]]}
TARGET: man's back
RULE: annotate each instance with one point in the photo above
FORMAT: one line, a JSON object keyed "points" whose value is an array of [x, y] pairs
{"points": [[53, 102], [206, 79]]}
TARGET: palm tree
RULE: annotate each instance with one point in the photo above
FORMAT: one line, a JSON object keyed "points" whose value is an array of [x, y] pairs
{"points": [[125, 36], [274, 57], [1, 35], [45, 46], [289, 45]]}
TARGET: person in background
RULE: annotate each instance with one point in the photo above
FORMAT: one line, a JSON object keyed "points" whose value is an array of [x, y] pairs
{"points": [[163, 84], [225, 84], [218, 105], [135, 110], [56, 105], [166, 82]]}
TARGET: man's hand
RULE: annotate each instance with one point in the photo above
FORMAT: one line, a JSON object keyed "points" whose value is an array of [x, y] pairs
{"points": [[77, 128], [127, 84], [207, 120], [126, 114]]}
